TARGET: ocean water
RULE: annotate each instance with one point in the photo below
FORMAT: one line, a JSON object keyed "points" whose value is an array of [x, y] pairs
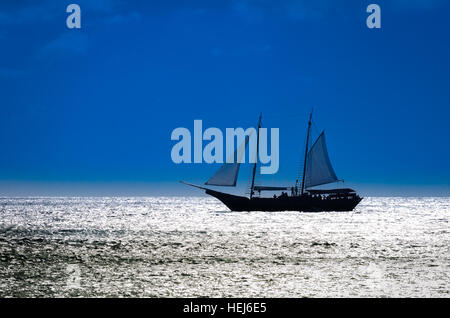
{"points": [[193, 246]]}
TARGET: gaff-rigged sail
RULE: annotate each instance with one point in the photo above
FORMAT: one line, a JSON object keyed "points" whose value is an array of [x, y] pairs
{"points": [[227, 174], [318, 167]]}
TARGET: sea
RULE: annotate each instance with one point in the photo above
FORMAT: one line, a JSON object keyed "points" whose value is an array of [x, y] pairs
{"points": [[196, 247]]}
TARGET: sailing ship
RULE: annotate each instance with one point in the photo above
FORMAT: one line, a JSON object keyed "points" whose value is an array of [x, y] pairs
{"points": [[317, 171]]}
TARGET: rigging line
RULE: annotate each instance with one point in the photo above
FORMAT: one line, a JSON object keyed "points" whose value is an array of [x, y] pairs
{"points": [[315, 127]]}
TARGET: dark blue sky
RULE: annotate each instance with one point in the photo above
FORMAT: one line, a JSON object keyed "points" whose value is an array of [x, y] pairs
{"points": [[91, 111]]}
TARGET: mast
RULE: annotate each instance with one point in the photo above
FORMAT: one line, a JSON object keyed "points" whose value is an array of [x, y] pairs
{"points": [[306, 153], [256, 161]]}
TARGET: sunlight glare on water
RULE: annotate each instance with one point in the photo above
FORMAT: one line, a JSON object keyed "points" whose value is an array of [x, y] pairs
{"points": [[193, 246]]}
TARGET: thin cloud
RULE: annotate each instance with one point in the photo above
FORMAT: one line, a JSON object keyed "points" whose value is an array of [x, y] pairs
{"points": [[299, 10], [69, 43], [26, 14], [132, 16], [20, 13]]}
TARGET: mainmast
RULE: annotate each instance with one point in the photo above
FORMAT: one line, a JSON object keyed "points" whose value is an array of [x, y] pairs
{"points": [[256, 161], [306, 153]]}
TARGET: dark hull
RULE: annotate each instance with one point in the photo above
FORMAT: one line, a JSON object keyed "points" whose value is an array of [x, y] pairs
{"points": [[286, 203]]}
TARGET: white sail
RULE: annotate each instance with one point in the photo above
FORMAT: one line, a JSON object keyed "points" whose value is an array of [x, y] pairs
{"points": [[318, 166], [228, 172]]}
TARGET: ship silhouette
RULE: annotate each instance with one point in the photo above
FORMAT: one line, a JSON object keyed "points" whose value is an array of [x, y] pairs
{"points": [[305, 197]]}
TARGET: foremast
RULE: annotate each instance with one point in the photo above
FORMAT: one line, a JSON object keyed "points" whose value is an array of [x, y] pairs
{"points": [[306, 153]]}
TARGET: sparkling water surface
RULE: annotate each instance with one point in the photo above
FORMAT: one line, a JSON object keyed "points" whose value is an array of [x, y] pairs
{"points": [[195, 247]]}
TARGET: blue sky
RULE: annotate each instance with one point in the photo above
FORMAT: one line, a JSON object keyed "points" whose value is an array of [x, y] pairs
{"points": [[91, 111]]}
